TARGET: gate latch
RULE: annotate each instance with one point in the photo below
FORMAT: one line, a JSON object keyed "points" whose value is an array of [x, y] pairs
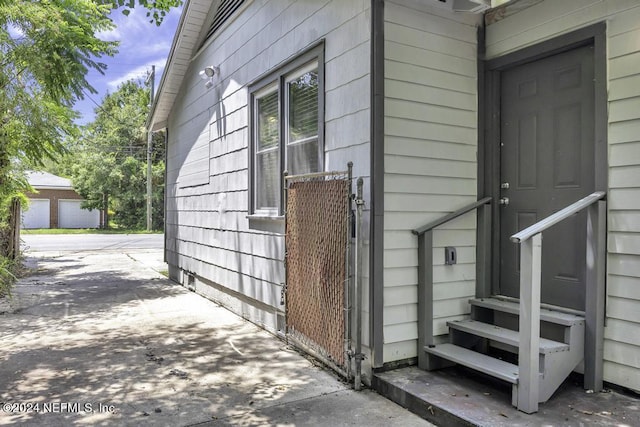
{"points": [[283, 291]]}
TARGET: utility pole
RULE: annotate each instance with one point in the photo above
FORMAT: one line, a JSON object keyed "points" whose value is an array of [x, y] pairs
{"points": [[151, 81]]}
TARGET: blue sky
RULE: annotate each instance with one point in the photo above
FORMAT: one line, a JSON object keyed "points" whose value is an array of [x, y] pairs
{"points": [[142, 44]]}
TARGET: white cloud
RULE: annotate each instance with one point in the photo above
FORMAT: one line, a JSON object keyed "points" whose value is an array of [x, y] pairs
{"points": [[110, 35], [134, 29], [142, 44], [162, 47], [132, 23], [138, 72]]}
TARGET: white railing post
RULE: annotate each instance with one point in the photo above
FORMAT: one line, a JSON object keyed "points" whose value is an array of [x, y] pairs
{"points": [[595, 295], [528, 355]]}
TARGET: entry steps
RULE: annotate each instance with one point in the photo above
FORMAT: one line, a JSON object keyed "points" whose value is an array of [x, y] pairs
{"points": [[493, 325]]}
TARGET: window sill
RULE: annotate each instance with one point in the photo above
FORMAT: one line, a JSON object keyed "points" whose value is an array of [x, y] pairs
{"points": [[269, 223], [265, 217]]}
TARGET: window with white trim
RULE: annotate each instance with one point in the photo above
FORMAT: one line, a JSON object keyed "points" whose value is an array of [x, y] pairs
{"points": [[267, 150], [286, 129]]}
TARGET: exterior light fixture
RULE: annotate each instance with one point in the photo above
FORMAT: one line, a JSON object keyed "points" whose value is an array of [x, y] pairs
{"points": [[469, 6], [207, 74]]}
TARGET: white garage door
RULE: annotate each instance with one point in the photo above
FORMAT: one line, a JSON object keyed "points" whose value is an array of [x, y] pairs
{"points": [[71, 215], [37, 214]]}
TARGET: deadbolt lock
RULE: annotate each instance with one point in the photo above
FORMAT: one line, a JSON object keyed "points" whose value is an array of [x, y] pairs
{"points": [[504, 185]]}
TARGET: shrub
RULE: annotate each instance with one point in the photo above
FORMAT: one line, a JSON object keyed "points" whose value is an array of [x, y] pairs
{"points": [[8, 275]]}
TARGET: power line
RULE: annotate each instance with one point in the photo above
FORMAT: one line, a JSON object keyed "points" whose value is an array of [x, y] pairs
{"points": [[92, 100], [118, 120]]}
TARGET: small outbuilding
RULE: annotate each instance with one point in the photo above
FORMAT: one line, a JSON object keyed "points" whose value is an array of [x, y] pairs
{"points": [[55, 204]]}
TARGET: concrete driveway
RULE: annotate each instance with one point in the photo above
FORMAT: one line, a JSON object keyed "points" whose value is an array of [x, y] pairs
{"points": [[101, 338]]}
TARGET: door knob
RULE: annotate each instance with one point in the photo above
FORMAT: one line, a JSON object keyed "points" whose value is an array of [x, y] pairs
{"points": [[504, 201]]}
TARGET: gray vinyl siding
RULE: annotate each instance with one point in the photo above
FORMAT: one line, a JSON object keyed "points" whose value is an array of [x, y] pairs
{"points": [[430, 163], [208, 232], [544, 21]]}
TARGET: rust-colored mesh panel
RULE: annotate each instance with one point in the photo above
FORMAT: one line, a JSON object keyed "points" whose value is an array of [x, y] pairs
{"points": [[316, 240]]}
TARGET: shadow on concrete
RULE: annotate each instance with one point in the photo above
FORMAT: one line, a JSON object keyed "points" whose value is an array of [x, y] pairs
{"points": [[156, 352]]}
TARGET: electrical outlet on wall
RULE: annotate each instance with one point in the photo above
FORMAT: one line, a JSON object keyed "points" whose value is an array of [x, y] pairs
{"points": [[450, 255]]}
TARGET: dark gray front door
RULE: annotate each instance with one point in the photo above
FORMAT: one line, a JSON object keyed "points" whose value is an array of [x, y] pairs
{"points": [[547, 161]]}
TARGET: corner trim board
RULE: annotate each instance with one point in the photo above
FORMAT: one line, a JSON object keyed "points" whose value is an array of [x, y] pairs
{"points": [[376, 249]]}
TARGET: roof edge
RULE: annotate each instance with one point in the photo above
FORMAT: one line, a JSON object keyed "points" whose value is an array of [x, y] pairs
{"points": [[167, 70]]}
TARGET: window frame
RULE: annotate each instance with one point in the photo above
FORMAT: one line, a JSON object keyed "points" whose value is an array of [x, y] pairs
{"points": [[284, 73], [259, 94], [286, 117]]}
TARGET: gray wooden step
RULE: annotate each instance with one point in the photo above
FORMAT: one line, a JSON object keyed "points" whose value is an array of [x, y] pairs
{"points": [[480, 362], [551, 316], [503, 335]]}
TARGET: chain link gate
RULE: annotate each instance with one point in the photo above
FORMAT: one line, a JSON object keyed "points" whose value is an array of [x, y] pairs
{"points": [[317, 289]]}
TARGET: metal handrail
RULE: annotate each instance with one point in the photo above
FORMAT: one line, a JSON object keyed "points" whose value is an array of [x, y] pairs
{"points": [[425, 270], [547, 222], [530, 240], [453, 215]]}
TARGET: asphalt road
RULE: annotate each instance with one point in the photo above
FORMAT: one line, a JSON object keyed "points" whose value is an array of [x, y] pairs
{"points": [[90, 242]]}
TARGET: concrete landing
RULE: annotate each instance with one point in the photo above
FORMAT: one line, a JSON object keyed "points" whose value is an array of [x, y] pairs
{"points": [[461, 397]]}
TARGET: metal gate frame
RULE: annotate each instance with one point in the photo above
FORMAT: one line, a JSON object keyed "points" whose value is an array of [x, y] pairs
{"points": [[351, 305]]}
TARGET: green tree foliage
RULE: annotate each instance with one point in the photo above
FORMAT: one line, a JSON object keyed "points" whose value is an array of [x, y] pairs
{"points": [[156, 9], [46, 49], [108, 162]]}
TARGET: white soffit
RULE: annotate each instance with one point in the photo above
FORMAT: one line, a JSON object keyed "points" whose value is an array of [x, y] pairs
{"points": [[193, 18]]}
